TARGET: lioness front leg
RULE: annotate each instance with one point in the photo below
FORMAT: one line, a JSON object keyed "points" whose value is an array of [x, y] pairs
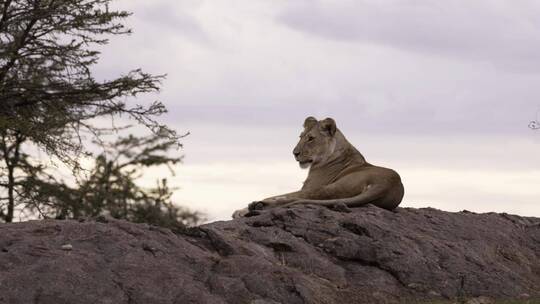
{"points": [[274, 201], [271, 202], [288, 199], [328, 195], [240, 213]]}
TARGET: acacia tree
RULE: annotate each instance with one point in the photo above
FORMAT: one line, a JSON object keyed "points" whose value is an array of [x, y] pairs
{"points": [[14, 160], [49, 96], [22, 175], [110, 187], [47, 90]]}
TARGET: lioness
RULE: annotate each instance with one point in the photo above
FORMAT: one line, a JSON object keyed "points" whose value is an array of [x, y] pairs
{"points": [[338, 173]]}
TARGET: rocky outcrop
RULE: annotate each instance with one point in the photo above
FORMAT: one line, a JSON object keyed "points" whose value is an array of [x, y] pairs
{"points": [[303, 254]]}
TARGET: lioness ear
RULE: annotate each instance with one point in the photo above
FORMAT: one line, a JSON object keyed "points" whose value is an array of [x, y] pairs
{"points": [[328, 125], [310, 122]]}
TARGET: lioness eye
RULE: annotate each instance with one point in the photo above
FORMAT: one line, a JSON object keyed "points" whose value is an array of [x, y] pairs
{"points": [[310, 138]]}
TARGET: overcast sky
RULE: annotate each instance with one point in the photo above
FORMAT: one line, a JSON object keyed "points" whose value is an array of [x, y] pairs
{"points": [[441, 91]]}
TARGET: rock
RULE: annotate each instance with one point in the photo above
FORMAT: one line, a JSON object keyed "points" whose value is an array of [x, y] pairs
{"points": [[67, 247], [524, 296], [304, 254], [480, 300]]}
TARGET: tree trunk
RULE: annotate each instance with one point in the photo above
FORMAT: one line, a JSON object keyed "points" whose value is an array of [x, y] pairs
{"points": [[11, 192], [11, 161]]}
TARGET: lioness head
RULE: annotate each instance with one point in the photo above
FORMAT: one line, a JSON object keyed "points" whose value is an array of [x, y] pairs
{"points": [[317, 142]]}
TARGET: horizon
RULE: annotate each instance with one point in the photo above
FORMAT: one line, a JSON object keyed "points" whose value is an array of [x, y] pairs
{"points": [[441, 93]]}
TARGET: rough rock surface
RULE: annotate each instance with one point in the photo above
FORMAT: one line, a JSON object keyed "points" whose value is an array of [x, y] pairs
{"points": [[304, 254]]}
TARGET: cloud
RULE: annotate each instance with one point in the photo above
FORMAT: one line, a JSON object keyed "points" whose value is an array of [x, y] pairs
{"points": [[405, 67], [503, 33], [162, 18], [441, 91]]}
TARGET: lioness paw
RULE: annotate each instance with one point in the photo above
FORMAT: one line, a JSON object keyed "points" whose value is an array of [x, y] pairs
{"points": [[240, 213], [257, 205]]}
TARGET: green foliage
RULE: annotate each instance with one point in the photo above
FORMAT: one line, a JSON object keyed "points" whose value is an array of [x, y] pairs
{"points": [[48, 100], [110, 187], [47, 91]]}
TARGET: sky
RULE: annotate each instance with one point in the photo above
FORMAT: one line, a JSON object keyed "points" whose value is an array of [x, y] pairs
{"points": [[440, 91]]}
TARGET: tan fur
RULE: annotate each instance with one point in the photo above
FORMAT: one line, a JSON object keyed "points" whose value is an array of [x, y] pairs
{"points": [[338, 173]]}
